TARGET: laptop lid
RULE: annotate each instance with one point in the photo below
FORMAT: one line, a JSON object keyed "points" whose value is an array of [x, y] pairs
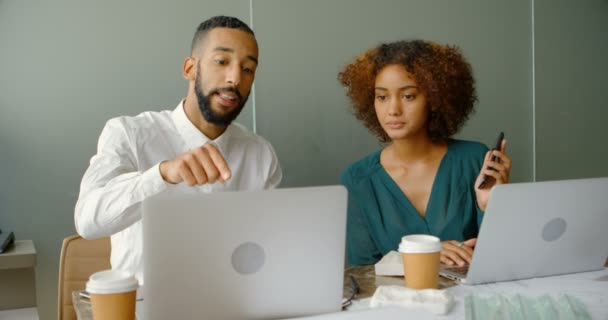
{"points": [[244, 255], [542, 229]]}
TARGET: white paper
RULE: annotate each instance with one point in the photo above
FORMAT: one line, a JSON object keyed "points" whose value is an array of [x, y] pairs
{"points": [[390, 265]]}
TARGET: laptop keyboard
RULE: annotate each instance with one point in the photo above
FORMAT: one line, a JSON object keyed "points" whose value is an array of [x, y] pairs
{"points": [[459, 270]]}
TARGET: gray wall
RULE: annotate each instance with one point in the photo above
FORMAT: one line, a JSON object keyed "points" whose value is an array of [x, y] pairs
{"points": [[67, 66], [303, 111], [571, 63]]}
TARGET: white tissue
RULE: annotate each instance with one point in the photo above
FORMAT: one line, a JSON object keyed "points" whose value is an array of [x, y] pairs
{"points": [[439, 302], [390, 265]]}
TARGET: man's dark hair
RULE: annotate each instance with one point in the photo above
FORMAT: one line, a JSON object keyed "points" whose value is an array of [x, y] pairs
{"points": [[217, 22]]}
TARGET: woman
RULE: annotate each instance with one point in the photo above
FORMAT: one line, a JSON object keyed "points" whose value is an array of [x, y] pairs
{"points": [[414, 96]]}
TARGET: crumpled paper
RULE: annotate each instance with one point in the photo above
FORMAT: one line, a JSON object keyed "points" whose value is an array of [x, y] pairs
{"points": [[439, 302]]}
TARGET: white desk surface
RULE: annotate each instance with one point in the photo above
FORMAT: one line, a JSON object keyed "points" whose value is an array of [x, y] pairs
{"points": [[590, 287]]}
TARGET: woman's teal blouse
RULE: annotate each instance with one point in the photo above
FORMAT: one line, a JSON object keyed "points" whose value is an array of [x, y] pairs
{"points": [[379, 213]]}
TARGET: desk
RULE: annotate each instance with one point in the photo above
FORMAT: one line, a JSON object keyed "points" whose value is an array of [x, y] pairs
{"points": [[18, 276], [368, 280], [19, 314], [365, 276], [590, 287]]}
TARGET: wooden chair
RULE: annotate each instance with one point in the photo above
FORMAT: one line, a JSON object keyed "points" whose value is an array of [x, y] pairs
{"points": [[79, 259]]}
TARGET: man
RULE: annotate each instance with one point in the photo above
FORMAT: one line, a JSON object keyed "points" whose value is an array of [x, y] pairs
{"points": [[194, 148]]}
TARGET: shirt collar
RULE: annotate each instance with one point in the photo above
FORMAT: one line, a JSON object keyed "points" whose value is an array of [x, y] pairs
{"points": [[192, 136]]}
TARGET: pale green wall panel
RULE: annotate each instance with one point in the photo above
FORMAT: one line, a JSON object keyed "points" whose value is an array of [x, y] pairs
{"points": [[302, 110], [571, 64]]}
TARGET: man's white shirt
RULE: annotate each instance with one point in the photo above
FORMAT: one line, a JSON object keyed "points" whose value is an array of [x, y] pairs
{"points": [[125, 171]]}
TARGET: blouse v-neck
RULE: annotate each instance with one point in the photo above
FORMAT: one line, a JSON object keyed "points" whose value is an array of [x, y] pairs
{"points": [[400, 196]]}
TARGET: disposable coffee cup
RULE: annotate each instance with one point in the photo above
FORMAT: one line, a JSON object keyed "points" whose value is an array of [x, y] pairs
{"points": [[113, 295], [420, 254]]}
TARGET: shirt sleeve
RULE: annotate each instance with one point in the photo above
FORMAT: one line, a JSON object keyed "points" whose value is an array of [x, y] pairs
{"points": [[275, 173], [360, 246], [113, 188]]}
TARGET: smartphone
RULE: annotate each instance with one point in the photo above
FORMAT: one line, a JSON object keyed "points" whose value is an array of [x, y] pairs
{"points": [[488, 180]]}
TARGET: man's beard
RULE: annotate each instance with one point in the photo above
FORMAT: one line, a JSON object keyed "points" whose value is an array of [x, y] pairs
{"points": [[204, 104]]}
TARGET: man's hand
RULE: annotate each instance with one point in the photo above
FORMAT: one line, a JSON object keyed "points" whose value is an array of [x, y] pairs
{"points": [[202, 165], [457, 253]]}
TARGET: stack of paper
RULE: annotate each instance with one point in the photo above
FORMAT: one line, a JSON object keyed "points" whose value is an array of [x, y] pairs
{"points": [[390, 265]]}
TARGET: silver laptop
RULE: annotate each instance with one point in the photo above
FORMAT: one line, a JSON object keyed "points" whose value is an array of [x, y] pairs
{"points": [[244, 255], [540, 229]]}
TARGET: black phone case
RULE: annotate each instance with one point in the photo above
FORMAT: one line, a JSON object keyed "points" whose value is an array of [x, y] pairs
{"points": [[489, 179]]}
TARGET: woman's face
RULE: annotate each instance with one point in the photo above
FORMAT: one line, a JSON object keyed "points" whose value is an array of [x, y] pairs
{"points": [[400, 104]]}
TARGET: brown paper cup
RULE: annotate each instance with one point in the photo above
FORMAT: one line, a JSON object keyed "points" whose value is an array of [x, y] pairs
{"points": [[113, 294], [421, 270], [420, 254], [117, 306]]}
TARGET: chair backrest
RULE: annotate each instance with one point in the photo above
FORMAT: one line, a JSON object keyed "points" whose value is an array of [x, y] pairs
{"points": [[79, 259]]}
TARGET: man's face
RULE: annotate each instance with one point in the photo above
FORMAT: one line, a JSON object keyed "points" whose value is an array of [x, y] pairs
{"points": [[226, 66]]}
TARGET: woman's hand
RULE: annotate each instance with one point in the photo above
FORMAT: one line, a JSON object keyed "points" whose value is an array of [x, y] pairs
{"points": [[457, 253], [499, 170]]}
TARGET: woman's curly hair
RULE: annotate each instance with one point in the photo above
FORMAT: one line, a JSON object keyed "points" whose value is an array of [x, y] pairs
{"points": [[442, 74]]}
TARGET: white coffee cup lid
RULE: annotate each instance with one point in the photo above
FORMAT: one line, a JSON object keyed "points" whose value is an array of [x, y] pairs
{"points": [[419, 243], [111, 281]]}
